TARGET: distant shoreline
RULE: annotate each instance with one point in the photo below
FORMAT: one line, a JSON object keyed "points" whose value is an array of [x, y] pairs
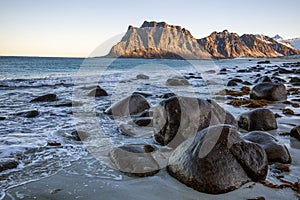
{"points": [[41, 57]]}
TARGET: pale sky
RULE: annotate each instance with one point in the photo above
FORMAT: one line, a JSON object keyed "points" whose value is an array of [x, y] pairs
{"points": [[75, 28]]}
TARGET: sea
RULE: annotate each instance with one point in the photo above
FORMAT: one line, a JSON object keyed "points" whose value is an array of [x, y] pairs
{"points": [[71, 79]]}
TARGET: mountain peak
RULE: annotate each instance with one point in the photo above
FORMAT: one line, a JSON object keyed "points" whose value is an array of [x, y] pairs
{"points": [[277, 37], [154, 24]]}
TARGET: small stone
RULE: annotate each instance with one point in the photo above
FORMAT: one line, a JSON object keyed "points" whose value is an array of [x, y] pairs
{"points": [[143, 121], [54, 144], [295, 132], [283, 168], [8, 163], [2, 118], [288, 111], [45, 98], [167, 95], [257, 198], [232, 83], [263, 62], [263, 79], [28, 113], [78, 135], [142, 76]]}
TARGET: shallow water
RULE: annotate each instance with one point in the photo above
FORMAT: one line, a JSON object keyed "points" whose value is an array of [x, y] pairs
{"points": [[22, 79]]}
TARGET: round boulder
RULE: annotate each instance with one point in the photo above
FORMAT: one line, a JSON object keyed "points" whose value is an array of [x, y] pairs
{"points": [[269, 91], [97, 92], [130, 105], [177, 81], [295, 132], [259, 119], [276, 152], [177, 118], [216, 160], [232, 83], [142, 76], [135, 159]]}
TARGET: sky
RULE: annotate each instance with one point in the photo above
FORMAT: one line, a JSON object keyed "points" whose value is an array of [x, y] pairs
{"points": [[75, 28]]}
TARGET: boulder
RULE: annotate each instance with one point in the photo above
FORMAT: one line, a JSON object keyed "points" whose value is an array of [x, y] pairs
{"points": [[69, 104], [133, 130], [284, 71], [145, 94], [28, 113], [263, 62], [232, 83], [130, 105], [295, 80], [177, 81], [237, 80], [269, 91], [217, 160], [295, 132], [45, 98], [247, 83], [78, 135], [143, 121], [97, 92], [263, 79], [275, 152], [277, 80], [135, 159], [259, 119], [176, 118], [142, 76], [8, 163], [167, 95]]}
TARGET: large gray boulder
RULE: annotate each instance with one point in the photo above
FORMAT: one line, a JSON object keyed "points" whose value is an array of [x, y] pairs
{"points": [[130, 105], [217, 160], [259, 119], [134, 159], [269, 91], [276, 152], [177, 118]]}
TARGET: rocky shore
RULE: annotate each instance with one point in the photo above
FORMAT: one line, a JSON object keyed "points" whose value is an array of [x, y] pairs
{"points": [[210, 146]]}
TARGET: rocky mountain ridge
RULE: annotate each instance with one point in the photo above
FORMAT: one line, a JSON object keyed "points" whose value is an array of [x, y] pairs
{"points": [[161, 40]]}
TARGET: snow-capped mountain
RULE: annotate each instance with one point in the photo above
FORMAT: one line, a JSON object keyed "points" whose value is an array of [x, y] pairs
{"points": [[295, 42]]}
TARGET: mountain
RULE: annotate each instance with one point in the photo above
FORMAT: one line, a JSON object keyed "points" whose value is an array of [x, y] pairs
{"points": [[231, 45], [295, 42], [285, 42], [158, 40], [161, 40]]}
